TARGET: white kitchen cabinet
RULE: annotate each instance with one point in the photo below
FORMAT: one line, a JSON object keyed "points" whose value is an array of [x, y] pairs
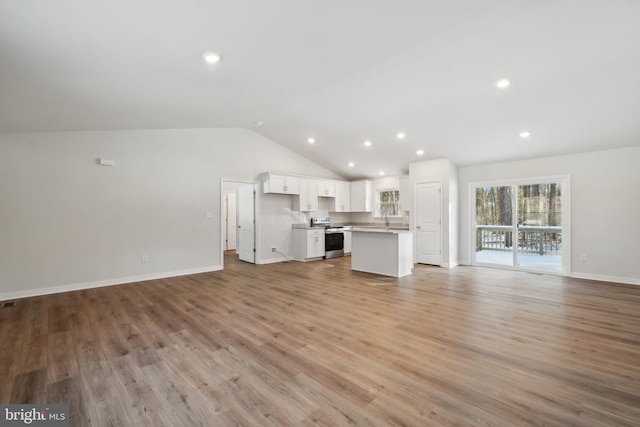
{"points": [[307, 200], [342, 202], [347, 242], [315, 244], [281, 184], [361, 196], [326, 188], [308, 244]]}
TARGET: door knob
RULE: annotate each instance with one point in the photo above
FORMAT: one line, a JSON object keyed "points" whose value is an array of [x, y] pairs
{"points": [[417, 227]]}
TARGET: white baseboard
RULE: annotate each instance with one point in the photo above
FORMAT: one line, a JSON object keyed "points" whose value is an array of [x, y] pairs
{"points": [[615, 279], [450, 264], [101, 283], [598, 277]]}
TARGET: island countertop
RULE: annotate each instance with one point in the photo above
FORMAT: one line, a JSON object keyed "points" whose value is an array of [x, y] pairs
{"points": [[380, 230]]}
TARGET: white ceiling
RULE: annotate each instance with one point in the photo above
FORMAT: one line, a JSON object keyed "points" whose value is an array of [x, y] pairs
{"points": [[339, 71]]}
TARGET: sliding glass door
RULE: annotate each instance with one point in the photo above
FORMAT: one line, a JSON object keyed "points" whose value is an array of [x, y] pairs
{"points": [[540, 226], [494, 229], [521, 225]]}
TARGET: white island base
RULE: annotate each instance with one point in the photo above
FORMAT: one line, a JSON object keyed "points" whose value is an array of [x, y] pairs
{"points": [[380, 251]]}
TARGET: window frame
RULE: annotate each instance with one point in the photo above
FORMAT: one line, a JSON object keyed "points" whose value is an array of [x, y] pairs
{"points": [[379, 203]]}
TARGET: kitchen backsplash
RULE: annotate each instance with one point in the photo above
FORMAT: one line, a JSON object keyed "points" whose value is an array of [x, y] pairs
{"points": [[362, 219]]}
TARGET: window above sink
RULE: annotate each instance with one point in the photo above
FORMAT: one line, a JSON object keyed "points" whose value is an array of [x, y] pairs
{"points": [[388, 203]]}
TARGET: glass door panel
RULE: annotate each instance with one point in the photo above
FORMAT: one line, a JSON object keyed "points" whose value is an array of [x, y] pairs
{"points": [[540, 226], [494, 225]]}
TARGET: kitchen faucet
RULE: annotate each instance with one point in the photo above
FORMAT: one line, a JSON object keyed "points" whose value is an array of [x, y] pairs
{"points": [[385, 215]]}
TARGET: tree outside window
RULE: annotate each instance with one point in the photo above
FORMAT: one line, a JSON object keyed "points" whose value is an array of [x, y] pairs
{"points": [[388, 203]]}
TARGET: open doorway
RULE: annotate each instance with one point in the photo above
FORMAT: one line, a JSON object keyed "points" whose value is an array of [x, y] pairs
{"points": [[231, 220], [238, 219]]}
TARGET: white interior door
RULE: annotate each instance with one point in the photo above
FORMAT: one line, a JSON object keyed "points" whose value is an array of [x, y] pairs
{"points": [[231, 221], [428, 223], [246, 223]]}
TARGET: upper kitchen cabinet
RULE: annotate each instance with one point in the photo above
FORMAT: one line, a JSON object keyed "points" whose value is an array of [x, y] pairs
{"points": [[327, 188], [307, 201], [361, 196], [342, 202], [281, 184]]}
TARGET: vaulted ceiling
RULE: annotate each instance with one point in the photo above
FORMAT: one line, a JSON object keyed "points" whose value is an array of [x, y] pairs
{"points": [[340, 72]]}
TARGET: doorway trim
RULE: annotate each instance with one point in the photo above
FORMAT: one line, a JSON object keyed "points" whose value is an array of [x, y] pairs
{"points": [[230, 220], [565, 180], [256, 208]]}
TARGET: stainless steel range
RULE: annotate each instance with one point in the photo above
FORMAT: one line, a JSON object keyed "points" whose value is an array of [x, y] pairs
{"points": [[333, 237]]}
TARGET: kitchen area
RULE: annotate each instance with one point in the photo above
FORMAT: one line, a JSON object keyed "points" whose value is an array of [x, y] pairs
{"points": [[367, 220]]}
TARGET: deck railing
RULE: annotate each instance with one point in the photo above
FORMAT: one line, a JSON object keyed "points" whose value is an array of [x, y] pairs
{"points": [[531, 239]]}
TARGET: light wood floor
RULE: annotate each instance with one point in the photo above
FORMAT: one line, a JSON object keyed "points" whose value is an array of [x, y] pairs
{"points": [[297, 344]]}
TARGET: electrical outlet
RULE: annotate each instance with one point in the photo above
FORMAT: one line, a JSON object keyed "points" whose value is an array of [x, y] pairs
{"points": [[144, 258], [583, 257], [274, 249]]}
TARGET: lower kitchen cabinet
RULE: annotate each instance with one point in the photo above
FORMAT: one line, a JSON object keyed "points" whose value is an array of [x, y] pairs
{"points": [[308, 244], [347, 242]]}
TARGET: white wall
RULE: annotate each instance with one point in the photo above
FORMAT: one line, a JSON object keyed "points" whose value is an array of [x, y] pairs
{"points": [[276, 218], [66, 222], [605, 208]]}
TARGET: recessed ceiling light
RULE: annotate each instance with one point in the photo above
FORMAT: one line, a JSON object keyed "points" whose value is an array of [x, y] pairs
{"points": [[503, 83], [311, 140], [367, 143], [401, 135], [525, 134], [380, 173], [420, 152], [212, 57], [351, 164]]}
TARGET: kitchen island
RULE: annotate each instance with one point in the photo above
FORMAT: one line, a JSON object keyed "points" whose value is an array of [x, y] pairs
{"points": [[388, 252]]}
